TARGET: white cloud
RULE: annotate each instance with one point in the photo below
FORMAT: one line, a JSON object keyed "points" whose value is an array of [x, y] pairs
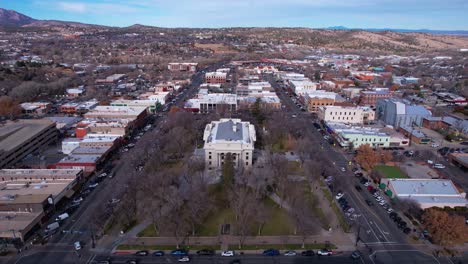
{"points": [[74, 7], [97, 8]]}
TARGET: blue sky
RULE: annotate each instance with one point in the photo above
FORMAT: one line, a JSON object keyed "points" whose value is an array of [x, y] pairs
{"points": [[410, 14]]}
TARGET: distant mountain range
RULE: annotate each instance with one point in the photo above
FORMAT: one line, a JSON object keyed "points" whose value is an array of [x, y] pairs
{"points": [[429, 31], [11, 18]]}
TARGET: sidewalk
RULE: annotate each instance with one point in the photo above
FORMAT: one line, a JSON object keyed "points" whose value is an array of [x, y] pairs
{"points": [[233, 241]]}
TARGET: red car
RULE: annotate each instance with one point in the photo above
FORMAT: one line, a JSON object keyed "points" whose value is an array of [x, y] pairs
{"points": [[370, 188]]}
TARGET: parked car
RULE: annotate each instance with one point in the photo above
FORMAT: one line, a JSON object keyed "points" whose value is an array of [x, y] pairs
{"points": [[158, 253], [358, 188], [339, 195], [290, 253], [435, 145], [179, 252], [271, 252], [93, 185], [142, 253], [369, 202], [227, 253], [205, 252], [439, 166], [308, 253], [132, 261], [406, 230], [324, 252]]}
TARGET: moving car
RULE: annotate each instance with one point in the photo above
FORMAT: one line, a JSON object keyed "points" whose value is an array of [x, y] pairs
{"points": [[324, 252], [184, 259], [77, 245], [158, 253], [369, 202], [227, 253], [356, 254], [132, 261]]}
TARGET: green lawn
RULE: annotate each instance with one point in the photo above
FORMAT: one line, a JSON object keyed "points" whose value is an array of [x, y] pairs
{"points": [[294, 168], [278, 224], [212, 225], [391, 172]]}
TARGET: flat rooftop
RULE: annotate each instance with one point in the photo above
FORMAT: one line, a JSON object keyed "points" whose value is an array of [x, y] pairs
{"points": [[42, 173], [80, 159], [17, 221], [424, 187], [15, 133]]}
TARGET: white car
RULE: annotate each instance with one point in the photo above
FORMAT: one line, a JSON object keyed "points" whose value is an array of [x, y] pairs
{"points": [[389, 210], [184, 259], [290, 253], [77, 245], [382, 202], [93, 185], [430, 162], [435, 145], [378, 198], [367, 184], [77, 200], [324, 252], [102, 175], [227, 253], [342, 169], [339, 195], [439, 166]]}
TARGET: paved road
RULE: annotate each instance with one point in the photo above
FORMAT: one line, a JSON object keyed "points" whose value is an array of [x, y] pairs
{"points": [[254, 259], [376, 226]]}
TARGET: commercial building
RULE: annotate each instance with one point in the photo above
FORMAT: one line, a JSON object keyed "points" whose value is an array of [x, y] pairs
{"points": [[151, 105], [23, 137], [315, 99], [36, 108], [214, 102], [29, 196], [215, 77], [134, 114], [229, 136], [398, 113], [183, 66], [78, 108], [114, 78], [351, 136], [370, 98], [304, 86], [460, 160], [426, 192], [87, 163], [414, 134], [347, 115]]}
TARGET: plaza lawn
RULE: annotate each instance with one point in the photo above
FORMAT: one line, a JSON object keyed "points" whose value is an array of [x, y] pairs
{"points": [[390, 172], [277, 225]]}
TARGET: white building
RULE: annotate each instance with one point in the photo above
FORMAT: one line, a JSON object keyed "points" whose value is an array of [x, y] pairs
{"points": [[347, 115], [427, 192], [212, 103], [303, 86], [229, 136]]}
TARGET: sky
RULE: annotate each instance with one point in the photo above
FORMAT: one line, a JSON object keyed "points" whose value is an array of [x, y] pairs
{"points": [[398, 14]]}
